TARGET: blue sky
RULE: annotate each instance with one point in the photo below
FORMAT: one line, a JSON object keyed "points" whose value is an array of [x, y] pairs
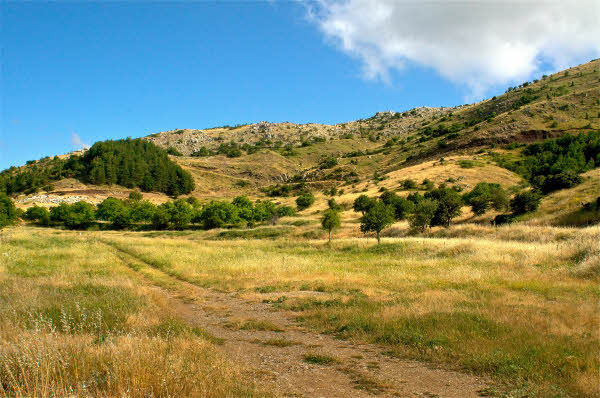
{"points": [[112, 70]]}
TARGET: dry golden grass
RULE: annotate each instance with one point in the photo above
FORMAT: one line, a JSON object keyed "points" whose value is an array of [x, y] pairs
{"points": [[517, 294], [77, 322]]}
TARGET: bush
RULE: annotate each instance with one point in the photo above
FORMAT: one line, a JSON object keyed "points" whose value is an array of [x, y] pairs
{"points": [[173, 151], [8, 211], [218, 214], [501, 219], [305, 200], [135, 196], [525, 202], [566, 179], [333, 205], [409, 184], [328, 163], [38, 214], [286, 211]]}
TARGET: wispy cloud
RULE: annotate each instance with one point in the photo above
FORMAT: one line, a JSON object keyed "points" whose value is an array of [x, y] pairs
{"points": [[77, 142], [475, 44]]}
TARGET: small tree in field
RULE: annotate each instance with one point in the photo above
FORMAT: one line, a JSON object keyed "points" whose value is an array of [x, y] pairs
{"points": [[377, 218], [331, 221]]}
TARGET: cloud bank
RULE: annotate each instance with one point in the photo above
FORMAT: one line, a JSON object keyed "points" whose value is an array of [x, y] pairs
{"points": [[476, 44]]}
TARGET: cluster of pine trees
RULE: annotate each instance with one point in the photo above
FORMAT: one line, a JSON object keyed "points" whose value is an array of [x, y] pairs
{"points": [[132, 163]]}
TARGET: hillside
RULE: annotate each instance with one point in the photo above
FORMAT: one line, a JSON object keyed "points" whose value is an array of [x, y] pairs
{"points": [[445, 145]]}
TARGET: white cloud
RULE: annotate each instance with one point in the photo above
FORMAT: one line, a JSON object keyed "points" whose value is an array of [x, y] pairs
{"points": [[477, 44], [76, 141]]}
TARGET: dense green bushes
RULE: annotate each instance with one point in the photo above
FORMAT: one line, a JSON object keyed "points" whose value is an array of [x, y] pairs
{"points": [[556, 164], [130, 163], [178, 214], [8, 212]]}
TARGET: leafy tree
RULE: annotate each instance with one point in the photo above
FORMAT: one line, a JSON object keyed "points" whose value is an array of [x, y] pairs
{"points": [[264, 210], [423, 214], [8, 211], [449, 204], [362, 204], [79, 215], [59, 213], [107, 208], [305, 200], [330, 221], [376, 218], [218, 214], [39, 214], [142, 211], [116, 211], [486, 195], [180, 213], [525, 202], [161, 217]]}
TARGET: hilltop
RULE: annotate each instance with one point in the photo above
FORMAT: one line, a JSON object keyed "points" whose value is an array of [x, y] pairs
{"points": [[459, 146]]}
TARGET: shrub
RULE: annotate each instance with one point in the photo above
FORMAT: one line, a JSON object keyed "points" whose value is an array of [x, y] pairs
{"points": [[38, 214], [135, 196], [525, 202], [305, 200], [328, 163], [285, 211], [173, 151], [409, 184], [8, 211], [218, 214]]}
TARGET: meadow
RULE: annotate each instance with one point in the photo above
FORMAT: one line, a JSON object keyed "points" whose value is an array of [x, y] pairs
{"points": [[516, 304]]}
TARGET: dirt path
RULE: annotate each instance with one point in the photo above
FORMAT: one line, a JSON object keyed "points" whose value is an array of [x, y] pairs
{"points": [[274, 345]]}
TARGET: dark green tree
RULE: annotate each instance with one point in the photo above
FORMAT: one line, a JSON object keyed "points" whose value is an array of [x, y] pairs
{"points": [[362, 204], [377, 218], [305, 200], [8, 211]]}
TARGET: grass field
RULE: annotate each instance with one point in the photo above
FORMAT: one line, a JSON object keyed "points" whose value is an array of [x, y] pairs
{"points": [[518, 304], [77, 322]]}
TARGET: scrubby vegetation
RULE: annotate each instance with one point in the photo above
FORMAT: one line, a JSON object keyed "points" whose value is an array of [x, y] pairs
{"points": [[556, 164]]}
